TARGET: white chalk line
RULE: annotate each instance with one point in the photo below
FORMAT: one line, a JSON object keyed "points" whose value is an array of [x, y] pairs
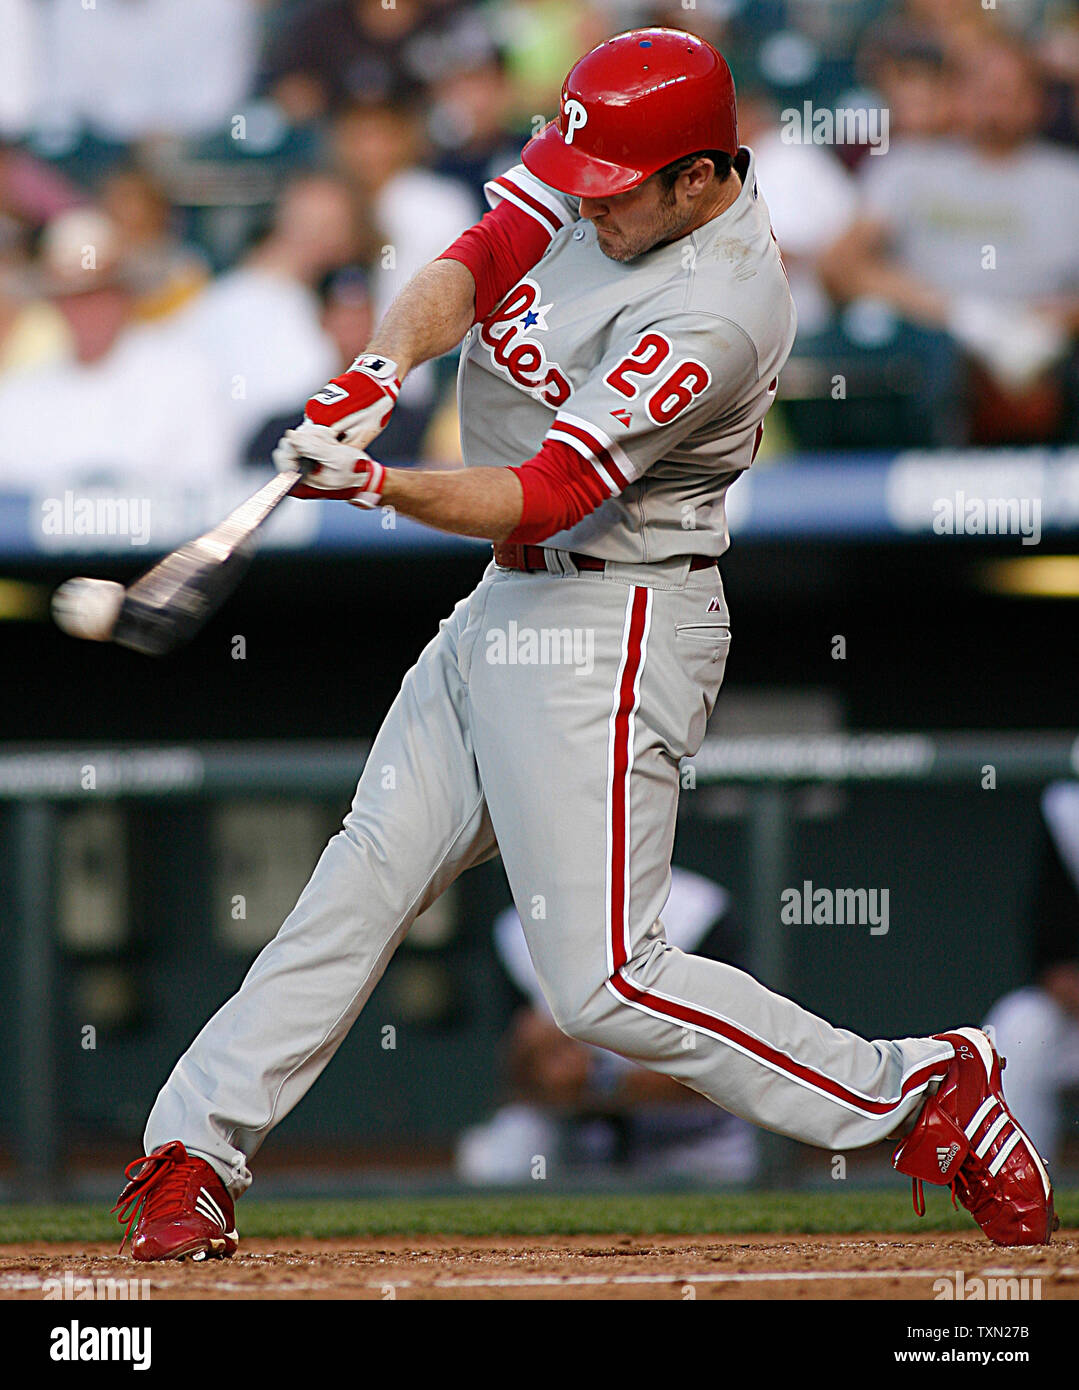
{"points": [[563, 1281], [761, 1277], [25, 1282]]}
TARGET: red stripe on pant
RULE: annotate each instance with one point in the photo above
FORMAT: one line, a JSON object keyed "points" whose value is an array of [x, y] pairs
{"points": [[619, 788], [692, 1016], [688, 1014]]}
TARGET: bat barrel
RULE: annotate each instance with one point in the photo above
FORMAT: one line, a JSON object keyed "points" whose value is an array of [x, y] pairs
{"points": [[167, 607]]}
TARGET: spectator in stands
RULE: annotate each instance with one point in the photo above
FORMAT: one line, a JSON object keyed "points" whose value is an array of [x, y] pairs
{"points": [[31, 191], [171, 271], [976, 240], [468, 119], [1037, 1027], [378, 148], [811, 199], [1059, 53], [348, 319], [708, 19], [32, 330], [146, 67], [958, 25], [542, 39], [581, 1108], [259, 325], [125, 405], [341, 50], [906, 67]]}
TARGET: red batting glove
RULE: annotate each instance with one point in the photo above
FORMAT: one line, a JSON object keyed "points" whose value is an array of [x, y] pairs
{"points": [[357, 405]]}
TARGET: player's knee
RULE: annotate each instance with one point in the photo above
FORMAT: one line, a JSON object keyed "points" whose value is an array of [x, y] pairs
{"points": [[571, 1020], [591, 1019], [581, 1028]]}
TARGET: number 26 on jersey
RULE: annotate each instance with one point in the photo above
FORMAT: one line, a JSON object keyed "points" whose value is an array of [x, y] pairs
{"points": [[679, 386]]}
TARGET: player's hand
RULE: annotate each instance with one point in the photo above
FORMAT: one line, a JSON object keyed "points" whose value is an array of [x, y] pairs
{"points": [[357, 405], [339, 472]]}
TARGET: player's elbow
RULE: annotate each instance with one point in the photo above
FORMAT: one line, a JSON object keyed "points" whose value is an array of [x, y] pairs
{"points": [[552, 499]]}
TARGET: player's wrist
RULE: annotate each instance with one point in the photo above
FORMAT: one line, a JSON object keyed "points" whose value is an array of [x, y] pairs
{"points": [[388, 368], [370, 495], [381, 367]]}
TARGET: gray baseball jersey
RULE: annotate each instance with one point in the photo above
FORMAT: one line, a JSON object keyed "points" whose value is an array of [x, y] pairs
{"points": [[658, 371]]}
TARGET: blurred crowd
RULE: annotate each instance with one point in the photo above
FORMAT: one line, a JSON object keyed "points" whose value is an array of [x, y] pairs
{"points": [[204, 208]]}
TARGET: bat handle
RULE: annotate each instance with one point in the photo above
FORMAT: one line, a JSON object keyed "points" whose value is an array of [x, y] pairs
{"points": [[299, 473]]}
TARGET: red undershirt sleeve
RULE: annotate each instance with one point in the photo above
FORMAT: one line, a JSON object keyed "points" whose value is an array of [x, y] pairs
{"points": [[559, 486], [502, 247], [558, 491]]}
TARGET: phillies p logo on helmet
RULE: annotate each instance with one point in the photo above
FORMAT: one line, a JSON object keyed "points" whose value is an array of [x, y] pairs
{"points": [[575, 116]]}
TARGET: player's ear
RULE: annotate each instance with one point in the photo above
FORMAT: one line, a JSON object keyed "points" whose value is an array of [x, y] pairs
{"points": [[699, 176]]}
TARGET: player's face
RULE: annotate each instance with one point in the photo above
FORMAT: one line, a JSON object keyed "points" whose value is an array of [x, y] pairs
{"points": [[999, 102], [629, 224]]}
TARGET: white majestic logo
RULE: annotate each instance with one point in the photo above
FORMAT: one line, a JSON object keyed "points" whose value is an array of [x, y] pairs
{"points": [[575, 117]]}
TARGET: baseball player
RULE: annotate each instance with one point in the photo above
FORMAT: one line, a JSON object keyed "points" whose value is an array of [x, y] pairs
{"points": [[624, 317]]}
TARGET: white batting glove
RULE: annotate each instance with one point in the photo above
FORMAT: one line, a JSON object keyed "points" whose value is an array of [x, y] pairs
{"points": [[340, 472]]}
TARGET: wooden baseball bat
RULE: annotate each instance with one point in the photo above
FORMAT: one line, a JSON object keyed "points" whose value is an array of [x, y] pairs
{"points": [[169, 604]]}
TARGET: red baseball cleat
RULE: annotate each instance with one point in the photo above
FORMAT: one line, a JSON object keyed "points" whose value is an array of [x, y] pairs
{"points": [[967, 1137], [177, 1205]]}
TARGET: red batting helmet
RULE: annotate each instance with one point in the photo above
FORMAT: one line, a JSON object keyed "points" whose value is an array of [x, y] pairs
{"points": [[632, 105]]}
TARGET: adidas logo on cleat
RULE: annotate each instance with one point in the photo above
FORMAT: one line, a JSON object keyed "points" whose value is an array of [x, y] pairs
{"points": [[206, 1205], [945, 1157]]}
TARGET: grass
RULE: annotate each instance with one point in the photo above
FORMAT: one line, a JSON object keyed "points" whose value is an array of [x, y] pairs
{"points": [[537, 1214]]}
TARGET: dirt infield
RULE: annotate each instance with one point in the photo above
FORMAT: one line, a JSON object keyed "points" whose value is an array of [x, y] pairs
{"points": [[571, 1267]]}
